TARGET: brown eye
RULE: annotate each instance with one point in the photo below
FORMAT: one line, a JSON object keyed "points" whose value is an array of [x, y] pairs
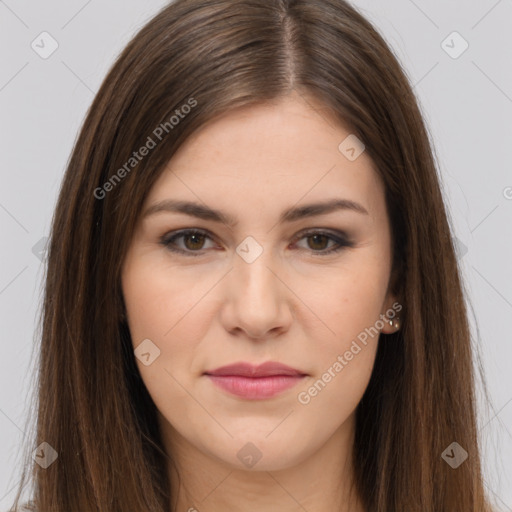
{"points": [[318, 242], [193, 242], [196, 241]]}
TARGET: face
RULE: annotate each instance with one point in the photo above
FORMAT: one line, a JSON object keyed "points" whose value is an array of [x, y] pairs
{"points": [[303, 289]]}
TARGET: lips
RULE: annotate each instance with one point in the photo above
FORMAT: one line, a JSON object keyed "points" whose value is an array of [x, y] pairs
{"points": [[268, 369], [255, 382]]}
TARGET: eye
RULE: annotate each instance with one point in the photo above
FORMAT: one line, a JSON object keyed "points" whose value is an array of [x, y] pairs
{"points": [[194, 241], [318, 239]]}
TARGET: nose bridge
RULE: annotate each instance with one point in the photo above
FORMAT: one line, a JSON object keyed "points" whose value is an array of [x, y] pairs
{"points": [[252, 271], [255, 302]]}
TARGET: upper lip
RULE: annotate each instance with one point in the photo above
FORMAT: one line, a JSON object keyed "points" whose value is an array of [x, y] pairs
{"points": [[270, 368]]}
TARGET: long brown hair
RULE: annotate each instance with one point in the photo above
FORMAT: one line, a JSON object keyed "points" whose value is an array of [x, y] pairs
{"points": [[192, 62]]}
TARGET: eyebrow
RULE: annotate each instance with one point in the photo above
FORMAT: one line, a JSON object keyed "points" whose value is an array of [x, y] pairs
{"points": [[290, 215]]}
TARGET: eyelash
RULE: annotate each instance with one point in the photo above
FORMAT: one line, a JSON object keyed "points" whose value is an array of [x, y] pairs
{"points": [[341, 241]]}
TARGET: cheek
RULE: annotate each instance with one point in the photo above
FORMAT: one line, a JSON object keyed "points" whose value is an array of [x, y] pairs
{"points": [[167, 308], [344, 357], [161, 309], [149, 304], [153, 300], [348, 301]]}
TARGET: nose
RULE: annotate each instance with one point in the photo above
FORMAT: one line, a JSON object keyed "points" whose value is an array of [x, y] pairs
{"points": [[258, 303]]}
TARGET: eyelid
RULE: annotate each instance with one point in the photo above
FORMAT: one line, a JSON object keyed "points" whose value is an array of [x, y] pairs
{"points": [[336, 234], [341, 239], [167, 239]]}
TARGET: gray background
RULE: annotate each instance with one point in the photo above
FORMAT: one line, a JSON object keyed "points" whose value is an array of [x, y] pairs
{"points": [[467, 104]]}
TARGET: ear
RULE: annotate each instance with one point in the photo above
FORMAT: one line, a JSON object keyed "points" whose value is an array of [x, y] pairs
{"points": [[391, 314]]}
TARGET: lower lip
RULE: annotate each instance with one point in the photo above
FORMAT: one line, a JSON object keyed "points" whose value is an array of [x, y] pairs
{"points": [[255, 388]]}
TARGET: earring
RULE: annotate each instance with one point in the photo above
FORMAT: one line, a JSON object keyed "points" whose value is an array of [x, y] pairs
{"points": [[395, 322]]}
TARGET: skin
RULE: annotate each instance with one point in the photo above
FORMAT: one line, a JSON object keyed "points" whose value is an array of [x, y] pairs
{"points": [[290, 304]]}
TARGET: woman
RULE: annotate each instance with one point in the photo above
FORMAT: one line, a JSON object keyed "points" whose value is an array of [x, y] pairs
{"points": [[252, 296]]}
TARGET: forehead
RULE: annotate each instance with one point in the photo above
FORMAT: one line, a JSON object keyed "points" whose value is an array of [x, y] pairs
{"points": [[270, 154]]}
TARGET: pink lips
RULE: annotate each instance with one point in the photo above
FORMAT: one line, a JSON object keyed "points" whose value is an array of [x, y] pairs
{"points": [[255, 382]]}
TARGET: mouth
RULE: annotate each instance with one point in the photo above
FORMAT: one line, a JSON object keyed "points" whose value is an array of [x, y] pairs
{"points": [[255, 382]]}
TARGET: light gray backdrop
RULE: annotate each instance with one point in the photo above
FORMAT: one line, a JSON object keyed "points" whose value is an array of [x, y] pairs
{"points": [[55, 54]]}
